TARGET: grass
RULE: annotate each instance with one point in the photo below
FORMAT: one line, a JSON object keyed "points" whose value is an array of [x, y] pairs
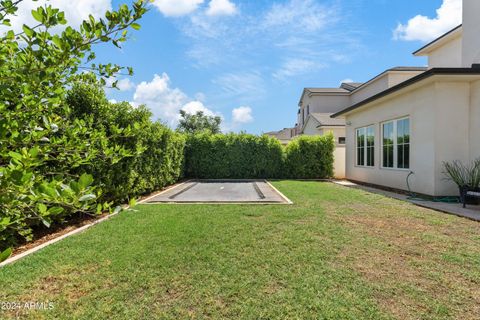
{"points": [[337, 253]]}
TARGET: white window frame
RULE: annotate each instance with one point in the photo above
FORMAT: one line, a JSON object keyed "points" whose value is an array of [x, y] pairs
{"points": [[395, 143], [365, 146]]}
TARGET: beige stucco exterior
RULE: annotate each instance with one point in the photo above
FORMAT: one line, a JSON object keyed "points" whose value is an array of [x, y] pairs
{"points": [[442, 128]]}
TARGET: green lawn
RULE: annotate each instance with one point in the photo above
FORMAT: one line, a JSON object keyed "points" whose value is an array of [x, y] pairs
{"points": [[337, 253]]}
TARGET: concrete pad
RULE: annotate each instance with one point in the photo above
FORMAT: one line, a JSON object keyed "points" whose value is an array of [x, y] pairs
{"points": [[471, 212], [221, 191]]}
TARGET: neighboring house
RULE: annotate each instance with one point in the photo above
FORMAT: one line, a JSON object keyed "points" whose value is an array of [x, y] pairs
{"points": [[284, 135], [402, 124]]}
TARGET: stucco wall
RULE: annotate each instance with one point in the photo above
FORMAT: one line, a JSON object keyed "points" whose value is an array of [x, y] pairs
{"points": [[452, 102], [382, 83], [378, 85], [475, 121], [471, 32], [447, 56], [419, 106], [323, 104], [445, 126]]}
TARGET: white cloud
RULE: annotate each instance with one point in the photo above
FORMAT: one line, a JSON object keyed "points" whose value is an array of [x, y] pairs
{"points": [[158, 95], [177, 8], [166, 102], [296, 67], [75, 11], [125, 84], [423, 28], [221, 8], [242, 115], [194, 106]]}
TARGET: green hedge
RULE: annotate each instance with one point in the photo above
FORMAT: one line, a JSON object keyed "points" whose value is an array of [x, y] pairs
{"points": [[233, 156], [310, 157], [155, 152], [244, 156]]}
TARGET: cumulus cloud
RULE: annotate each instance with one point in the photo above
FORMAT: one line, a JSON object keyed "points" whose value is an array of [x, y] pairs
{"points": [[194, 106], [75, 11], [242, 115], [423, 28], [165, 102], [221, 8], [177, 8]]}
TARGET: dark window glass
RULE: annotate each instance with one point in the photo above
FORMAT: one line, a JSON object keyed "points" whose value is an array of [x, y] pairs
{"points": [[403, 144], [361, 147], [388, 144], [341, 140]]}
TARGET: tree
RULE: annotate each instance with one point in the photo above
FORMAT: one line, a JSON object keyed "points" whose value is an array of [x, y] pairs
{"points": [[41, 145], [198, 122]]}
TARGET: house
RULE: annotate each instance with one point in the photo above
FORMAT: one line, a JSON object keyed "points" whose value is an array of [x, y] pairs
{"points": [[406, 125], [284, 135], [317, 104]]}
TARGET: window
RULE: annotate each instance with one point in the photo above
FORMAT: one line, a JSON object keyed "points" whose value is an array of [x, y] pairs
{"points": [[396, 144], [308, 110], [366, 146], [341, 140]]}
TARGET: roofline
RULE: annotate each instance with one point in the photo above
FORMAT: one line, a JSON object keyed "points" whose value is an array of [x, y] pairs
{"points": [[348, 93], [395, 69], [438, 39], [409, 82], [331, 125]]}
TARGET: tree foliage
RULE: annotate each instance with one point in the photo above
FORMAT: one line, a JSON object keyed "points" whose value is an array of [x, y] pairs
{"points": [[42, 147], [198, 122]]}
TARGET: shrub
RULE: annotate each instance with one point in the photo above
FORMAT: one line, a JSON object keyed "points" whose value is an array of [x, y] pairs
{"points": [[463, 175], [233, 156], [310, 157], [41, 148], [155, 153]]}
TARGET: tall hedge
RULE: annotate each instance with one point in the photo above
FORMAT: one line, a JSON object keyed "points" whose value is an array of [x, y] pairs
{"points": [[310, 157], [244, 156], [155, 152], [233, 156]]}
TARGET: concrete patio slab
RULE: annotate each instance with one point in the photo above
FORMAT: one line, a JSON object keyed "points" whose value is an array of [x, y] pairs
{"points": [[471, 212], [221, 191]]}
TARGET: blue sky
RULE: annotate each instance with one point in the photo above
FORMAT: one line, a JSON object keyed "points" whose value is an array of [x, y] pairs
{"points": [[249, 61]]}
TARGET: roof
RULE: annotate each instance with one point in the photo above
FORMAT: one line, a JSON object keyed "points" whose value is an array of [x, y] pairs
{"points": [[438, 40], [342, 91], [425, 75], [326, 120], [350, 86], [327, 90]]}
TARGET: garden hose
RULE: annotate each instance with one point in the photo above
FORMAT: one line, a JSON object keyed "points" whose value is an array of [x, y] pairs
{"points": [[414, 197]]}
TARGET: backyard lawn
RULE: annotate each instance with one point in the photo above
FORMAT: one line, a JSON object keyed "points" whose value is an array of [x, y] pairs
{"points": [[337, 253]]}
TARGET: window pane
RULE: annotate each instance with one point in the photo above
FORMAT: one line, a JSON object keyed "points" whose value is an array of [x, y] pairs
{"points": [[388, 133], [388, 157], [406, 130], [370, 156], [400, 132], [400, 161], [406, 156]]}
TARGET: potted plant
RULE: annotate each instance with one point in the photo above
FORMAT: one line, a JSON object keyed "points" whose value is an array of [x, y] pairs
{"points": [[465, 176]]}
